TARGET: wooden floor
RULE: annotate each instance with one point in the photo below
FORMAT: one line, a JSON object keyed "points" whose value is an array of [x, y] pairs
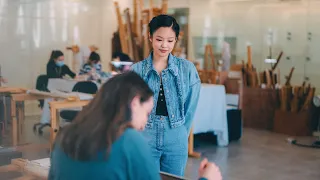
{"points": [[260, 155]]}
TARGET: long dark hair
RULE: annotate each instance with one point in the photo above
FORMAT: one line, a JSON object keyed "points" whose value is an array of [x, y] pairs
{"points": [[55, 54], [100, 123], [94, 57]]}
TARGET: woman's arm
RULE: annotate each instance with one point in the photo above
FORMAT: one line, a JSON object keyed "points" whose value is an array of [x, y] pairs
{"points": [[3, 80], [140, 162], [85, 69], [68, 71], [191, 103]]}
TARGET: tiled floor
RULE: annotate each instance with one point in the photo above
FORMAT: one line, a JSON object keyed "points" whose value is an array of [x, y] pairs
{"points": [[260, 155]]}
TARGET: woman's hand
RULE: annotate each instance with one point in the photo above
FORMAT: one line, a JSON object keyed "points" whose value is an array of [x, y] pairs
{"points": [[209, 170], [4, 80]]}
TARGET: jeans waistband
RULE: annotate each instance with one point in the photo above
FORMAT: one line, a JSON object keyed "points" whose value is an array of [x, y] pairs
{"points": [[162, 121]]}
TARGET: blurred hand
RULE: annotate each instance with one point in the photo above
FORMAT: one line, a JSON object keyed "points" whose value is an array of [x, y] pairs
{"points": [[4, 80], [209, 170]]}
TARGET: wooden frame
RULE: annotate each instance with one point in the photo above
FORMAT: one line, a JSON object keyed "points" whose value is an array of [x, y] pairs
{"points": [[18, 118], [54, 107], [192, 153]]}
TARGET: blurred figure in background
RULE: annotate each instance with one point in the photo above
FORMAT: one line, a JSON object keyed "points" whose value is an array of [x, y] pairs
{"points": [[120, 63], [56, 67], [93, 67], [3, 80]]}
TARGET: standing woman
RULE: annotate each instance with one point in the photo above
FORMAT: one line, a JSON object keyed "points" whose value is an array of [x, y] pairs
{"points": [[56, 67], [176, 86]]}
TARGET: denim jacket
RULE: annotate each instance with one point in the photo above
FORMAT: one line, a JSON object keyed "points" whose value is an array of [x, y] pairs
{"points": [[181, 84]]}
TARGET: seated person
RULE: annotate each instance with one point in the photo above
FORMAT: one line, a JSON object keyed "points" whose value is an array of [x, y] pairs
{"points": [[120, 63], [92, 66], [93, 69], [104, 142], [56, 67]]}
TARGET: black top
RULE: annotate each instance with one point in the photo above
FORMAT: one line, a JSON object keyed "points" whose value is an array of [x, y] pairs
{"points": [[161, 104], [54, 71]]}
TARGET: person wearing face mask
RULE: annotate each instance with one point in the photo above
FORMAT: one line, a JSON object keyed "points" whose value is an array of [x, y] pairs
{"points": [[121, 62], [92, 66], [176, 84], [56, 67]]}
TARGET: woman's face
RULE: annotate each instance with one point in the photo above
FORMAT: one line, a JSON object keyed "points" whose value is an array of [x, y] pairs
{"points": [[94, 62], [60, 58], [163, 41], [140, 112]]}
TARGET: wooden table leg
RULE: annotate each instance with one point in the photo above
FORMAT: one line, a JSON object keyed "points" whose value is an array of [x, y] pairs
{"points": [[14, 123], [54, 126], [20, 121], [190, 146], [5, 120]]}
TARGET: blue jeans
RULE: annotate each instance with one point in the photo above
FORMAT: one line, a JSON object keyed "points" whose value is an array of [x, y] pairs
{"points": [[169, 146]]}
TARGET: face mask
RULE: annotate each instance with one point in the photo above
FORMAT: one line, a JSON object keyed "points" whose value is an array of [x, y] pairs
{"points": [[116, 64], [60, 63], [96, 66]]}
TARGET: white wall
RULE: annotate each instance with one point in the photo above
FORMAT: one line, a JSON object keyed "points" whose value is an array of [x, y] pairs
{"points": [[250, 20], [29, 30]]}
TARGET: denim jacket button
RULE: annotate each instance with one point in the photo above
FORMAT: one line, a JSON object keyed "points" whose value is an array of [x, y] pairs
{"points": [[172, 116]]}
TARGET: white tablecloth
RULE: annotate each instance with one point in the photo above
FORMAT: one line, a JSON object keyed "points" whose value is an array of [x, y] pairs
{"points": [[211, 113]]}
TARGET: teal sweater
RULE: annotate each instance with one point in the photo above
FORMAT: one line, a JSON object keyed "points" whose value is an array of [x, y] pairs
{"points": [[129, 159]]}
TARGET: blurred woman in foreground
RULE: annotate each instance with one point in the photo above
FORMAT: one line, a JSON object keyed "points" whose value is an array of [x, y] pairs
{"points": [[103, 141]]}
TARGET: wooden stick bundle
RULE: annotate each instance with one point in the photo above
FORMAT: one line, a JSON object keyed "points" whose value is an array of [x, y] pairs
{"points": [[296, 100], [208, 74], [134, 38], [250, 76], [269, 77], [122, 33]]}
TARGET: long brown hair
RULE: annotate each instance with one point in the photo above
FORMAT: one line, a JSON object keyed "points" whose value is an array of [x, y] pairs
{"points": [[100, 123]]}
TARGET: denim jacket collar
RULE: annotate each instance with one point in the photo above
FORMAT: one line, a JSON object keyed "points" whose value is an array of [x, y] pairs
{"points": [[172, 65]]}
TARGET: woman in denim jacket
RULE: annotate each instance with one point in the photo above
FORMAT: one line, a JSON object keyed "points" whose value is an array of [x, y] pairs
{"points": [[176, 86]]}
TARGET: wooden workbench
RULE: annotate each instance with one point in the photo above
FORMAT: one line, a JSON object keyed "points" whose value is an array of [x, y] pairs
{"points": [[18, 116], [54, 107]]}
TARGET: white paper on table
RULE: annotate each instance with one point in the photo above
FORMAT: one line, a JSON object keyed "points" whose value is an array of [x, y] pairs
{"points": [[42, 162], [81, 96], [40, 167]]}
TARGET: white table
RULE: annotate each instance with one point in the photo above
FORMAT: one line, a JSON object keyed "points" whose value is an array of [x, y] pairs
{"points": [[211, 113], [64, 85]]}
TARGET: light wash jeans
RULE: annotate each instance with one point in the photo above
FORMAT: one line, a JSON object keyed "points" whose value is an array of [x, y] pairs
{"points": [[169, 146], [46, 114]]}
